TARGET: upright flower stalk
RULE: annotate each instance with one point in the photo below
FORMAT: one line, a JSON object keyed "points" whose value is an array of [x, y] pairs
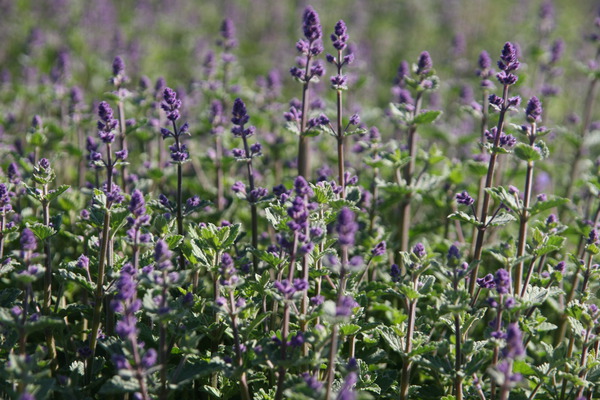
{"points": [[305, 72], [247, 154], [346, 228], [533, 112], [5, 209], [216, 120], [338, 83], [508, 64], [127, 303], [485, 72], [43, 175], [107, 126], [179, 152], [415, 264], [119, 78], [422, 84], [588, 111]]}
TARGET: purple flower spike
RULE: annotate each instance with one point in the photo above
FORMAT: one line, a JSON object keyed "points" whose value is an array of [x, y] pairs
{"points": [[487, 282], [149, 358], [424, 64], [345, 306], [514, 342], [484, 61], [137, 206], [379, 249], [502, 281], [346, 227], [118, 66], [419, 250], [171, 104], [311, 26], [534, 110], [464, 198], [340, 36], [28, 241]]}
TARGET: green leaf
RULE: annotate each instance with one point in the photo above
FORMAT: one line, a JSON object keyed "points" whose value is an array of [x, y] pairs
{"points": [[540, 206], [256, 322], [526, 152], [349, 329], [57, 192], [427, 117], [392, 339], [119, 385], [502, 196], [173, 241], [523, 368], [464, 217], [42, 231], [500, 219]]}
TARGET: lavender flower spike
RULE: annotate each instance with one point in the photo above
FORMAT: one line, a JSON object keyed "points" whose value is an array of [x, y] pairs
{"points": [[534, 110], [346, 227]]}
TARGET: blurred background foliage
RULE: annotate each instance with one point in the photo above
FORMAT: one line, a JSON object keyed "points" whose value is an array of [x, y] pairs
{"points": [[171, 38]]}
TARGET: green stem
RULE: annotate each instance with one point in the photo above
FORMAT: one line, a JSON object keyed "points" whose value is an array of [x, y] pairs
{"points": [[486, 197]]}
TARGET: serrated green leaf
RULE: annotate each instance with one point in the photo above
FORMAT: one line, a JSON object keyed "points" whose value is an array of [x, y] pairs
{"points": [[464, 217], [526, 152], [42, 231], [541, 206], [392, 339], [349, 329], [57, 192], [500, 219], [427, 117]]}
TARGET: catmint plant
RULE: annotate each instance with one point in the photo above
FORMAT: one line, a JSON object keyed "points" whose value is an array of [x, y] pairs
{"points": [[346, 229], [127, 304], [409, 111], [107, 126], [588, 107], [43, 175], [247, 154], [307, 70], [5, 210], [119, 78], [179, 152], [529, 152], [508, 64], [339, 37]]}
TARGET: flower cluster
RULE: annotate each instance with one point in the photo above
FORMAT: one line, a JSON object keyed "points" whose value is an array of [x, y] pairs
{"points": [[171, 105], [107, 124], [507, 64], [309, 47]]}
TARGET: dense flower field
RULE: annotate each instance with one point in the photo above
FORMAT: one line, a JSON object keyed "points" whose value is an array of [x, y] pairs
{"points": [[234, 223]]}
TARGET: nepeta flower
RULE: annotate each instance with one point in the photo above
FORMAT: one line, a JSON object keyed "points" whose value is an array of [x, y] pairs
{"points": [[508, 63], [379, 249], [514, 342], [28, 241], [487, 282], [227, 270], [419, 250], [464, 198], [502, 281], [171, 104], [346, 227], [162, 255], [107, 124], [533, 112], [424, 64], [347, 391], [285, 288], [345, 306]]}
